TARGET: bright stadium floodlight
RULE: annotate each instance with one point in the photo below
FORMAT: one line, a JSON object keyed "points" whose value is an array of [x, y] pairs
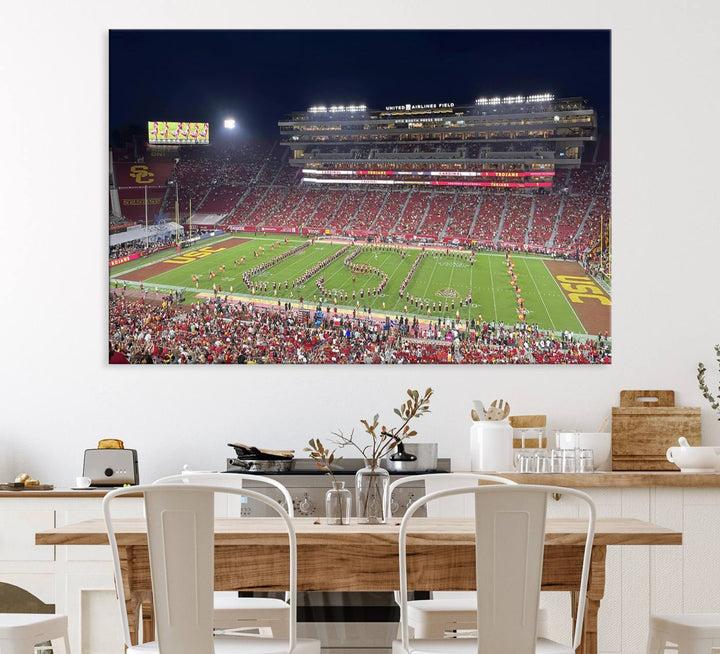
{"points": [[229, 123]]}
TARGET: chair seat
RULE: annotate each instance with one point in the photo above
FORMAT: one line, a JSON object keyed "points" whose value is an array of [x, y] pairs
{"points": [[244, 644], [702, 625], [433, 617], [25, 626], [251, 606], [469, 646], [459, 606]]}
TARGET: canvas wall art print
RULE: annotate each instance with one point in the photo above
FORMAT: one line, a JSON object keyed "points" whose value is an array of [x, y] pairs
{"points": [[360, 197]]}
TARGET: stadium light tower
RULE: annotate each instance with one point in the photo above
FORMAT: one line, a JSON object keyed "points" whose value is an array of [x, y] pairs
{"points": [[229, 123]]}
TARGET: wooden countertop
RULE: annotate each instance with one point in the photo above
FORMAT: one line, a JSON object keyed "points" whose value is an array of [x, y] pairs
{"points": [[57, 493], [643, 479]]}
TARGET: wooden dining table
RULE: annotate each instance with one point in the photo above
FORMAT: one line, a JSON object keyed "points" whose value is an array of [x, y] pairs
{"points": [[251, 554]]}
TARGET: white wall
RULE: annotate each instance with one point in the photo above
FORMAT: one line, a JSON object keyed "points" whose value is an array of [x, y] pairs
{"points": [[58, 395]]}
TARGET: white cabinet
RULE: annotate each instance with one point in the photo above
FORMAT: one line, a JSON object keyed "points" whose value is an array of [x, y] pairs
{"points": [[78, 579], [17, 537], [644, 579]]}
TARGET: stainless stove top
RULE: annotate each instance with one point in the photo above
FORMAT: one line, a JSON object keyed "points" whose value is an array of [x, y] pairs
{"points": [[346, 467]]}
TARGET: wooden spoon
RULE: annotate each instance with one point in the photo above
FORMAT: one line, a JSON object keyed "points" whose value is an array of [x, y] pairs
{"points": [[474, 415], [498, 410]]}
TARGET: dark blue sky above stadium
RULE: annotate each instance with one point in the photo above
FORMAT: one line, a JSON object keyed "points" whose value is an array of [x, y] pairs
{"points": [[259, 76]]}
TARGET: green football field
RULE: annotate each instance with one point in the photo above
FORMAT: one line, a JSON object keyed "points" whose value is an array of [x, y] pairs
{"points": [[445, 279]]}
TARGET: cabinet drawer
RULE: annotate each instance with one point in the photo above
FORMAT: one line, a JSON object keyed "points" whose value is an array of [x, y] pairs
{"points": [[17, 537]]}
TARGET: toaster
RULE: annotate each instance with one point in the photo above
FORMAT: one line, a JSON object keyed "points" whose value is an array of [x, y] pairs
{"points": [[111, 467]]}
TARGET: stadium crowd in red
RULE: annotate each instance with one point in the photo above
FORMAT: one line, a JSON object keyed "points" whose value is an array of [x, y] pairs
{"points": [[221, 332], [255, 186]]}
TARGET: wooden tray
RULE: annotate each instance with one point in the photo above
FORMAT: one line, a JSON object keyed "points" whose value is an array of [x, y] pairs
{"points": [[45, 487], [643, 430]]}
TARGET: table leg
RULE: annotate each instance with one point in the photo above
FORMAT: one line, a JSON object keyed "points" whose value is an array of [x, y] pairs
{"points": [[133, 607], [134, 568], [148, 616], [596, 591]]}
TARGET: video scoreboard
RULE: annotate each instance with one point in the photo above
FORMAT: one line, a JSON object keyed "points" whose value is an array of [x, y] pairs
{"points": [[178, 133]]}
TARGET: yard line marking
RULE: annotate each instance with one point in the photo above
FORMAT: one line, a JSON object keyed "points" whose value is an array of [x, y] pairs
{"points": [[492, 288], [537, 288], [427, 286]]}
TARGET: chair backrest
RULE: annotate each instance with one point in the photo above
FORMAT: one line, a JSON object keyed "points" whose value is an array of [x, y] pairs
{"points": [[509, 545], [180, 530], [230, 479], [442, 480]]}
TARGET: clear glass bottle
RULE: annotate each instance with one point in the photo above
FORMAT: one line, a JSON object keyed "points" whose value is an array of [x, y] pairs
{"points": [[338, 503], [371, 486]]}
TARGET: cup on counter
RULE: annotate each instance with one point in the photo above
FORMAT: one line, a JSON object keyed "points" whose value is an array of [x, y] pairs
{"points": [[533, 460], [82, 482], [585, 460], [526, 461], [573, 460], [564, 461], [543, 461]]}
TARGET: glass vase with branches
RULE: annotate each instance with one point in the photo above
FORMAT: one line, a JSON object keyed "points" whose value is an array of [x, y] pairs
{"points": [[372, 481]]}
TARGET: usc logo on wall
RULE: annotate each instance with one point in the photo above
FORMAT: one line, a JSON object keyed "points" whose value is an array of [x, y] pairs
{"points": [[142, 174]]}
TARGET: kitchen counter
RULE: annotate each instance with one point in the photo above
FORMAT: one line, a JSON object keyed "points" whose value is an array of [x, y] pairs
{"points": [[56, 493], [641, 479]]}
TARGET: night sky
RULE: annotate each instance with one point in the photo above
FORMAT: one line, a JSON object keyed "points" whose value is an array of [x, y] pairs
{"points": [[258, 77]]}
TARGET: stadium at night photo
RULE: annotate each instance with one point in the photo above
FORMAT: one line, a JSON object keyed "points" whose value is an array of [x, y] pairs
{"points": [[279, 197]]}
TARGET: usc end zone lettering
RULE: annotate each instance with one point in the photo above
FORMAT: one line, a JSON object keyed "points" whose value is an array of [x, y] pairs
{"points": [[194, 256], [579, 287]]}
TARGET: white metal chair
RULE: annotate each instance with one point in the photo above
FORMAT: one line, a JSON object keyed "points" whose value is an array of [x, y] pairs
{"points": [[233, 612], [446, 611], [180, 528], [20, 632], [693, 633], [509, 545]]}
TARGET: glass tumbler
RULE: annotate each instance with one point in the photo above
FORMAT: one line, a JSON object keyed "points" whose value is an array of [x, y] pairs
{"points": [[543, 461], [526, 461], [585, 461], [568, 461], [519, 457]]}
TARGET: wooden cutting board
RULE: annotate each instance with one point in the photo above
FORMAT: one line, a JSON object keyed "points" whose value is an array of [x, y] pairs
{"points": [[645, 425], [45, 487]]}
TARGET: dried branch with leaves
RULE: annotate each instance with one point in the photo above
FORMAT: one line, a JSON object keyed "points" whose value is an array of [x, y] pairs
{"points": [[323, 457], [385, 439], [714, 400]]}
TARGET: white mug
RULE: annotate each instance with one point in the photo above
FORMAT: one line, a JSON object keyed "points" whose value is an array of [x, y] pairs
{"points": [[82, 482]]}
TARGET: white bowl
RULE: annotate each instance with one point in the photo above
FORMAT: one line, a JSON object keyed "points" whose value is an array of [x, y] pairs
{"points": [[599, 442], [695, 459]]}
